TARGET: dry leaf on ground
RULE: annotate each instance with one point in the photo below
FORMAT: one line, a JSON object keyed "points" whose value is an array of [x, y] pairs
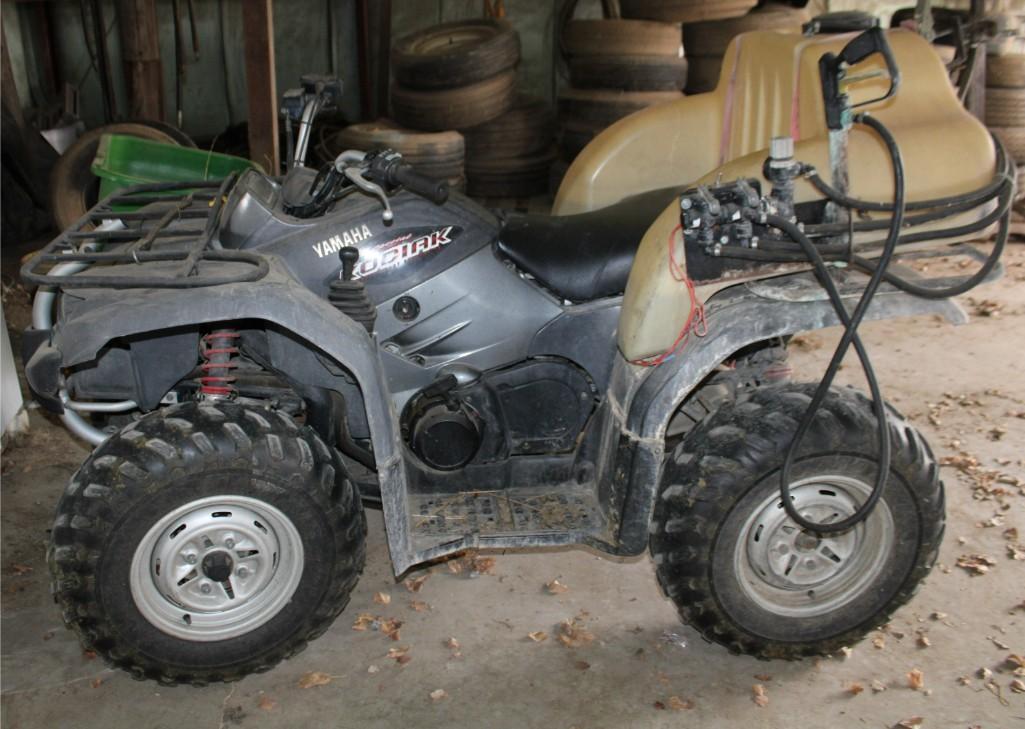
{"points": [[555, 587], [415, 584], [267, 703], [363, 621], [455, 566], [678, 704], [573, 634], [582, 665], [923, 640], [975, 564], [759, 696], [20, 569], [452, 644], [916, 679], [373, 669], [879, 642], [419, 605], [855, 688], [390, 627], [438, 694], [96, 682], [401, 655], [763, 677], [483, 565], [998, 643], [1018, 686], [538, 636], [878, 686], [911, 723], [314, 678], [382, 598]]}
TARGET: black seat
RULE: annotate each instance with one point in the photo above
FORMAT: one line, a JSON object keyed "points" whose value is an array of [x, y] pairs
{"points": [[586, 256]]}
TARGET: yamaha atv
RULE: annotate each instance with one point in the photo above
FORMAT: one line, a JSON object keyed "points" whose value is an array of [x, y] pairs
{"points": [[255, 360]]}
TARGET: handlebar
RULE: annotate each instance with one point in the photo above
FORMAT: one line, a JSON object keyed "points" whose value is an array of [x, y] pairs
{"points": [[387, 169], [832, 69]]}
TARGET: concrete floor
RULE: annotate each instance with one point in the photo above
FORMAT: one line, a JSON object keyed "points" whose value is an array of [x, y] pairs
{"points": [[960, 385]]}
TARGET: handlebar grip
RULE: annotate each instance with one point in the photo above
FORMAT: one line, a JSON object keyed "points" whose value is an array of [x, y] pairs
{"points": [[434, 190]]}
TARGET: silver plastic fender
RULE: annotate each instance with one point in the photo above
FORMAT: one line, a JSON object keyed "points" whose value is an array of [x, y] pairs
{"points": [[277, 298]]}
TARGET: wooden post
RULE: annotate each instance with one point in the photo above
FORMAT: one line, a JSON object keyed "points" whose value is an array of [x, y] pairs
{"points": [[261, 84], [382, 102], [140, 50]]}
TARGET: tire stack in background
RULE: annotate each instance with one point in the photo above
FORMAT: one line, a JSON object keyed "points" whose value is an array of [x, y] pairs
{"points": [[706, 41], [511, 156], [461, 76], [1005, 107], [439, 155], [616, 67]]}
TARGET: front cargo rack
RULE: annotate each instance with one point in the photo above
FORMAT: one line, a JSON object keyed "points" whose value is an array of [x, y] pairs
{"points": [[109, 258]]}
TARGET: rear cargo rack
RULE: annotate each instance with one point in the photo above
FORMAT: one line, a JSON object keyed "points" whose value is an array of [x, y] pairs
{"points": [[118, 258]]}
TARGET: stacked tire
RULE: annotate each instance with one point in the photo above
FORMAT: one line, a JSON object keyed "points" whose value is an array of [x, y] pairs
{"points": [[706, 41], [440, 155], [455, 75], [616, 67], [462, 76], [511, 156], [1005, 107]]}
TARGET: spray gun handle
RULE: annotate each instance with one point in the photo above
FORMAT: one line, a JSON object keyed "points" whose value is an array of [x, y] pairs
{"points": [[832, 69]]}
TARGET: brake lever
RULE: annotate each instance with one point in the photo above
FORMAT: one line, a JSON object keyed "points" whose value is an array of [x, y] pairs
{"points": [[355, 176]]}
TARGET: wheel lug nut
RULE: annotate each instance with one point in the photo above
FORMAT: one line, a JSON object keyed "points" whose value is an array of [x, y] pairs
{"points": [[205, 588], [229, 543], [242, 572], [190, 558], [809, 563]]}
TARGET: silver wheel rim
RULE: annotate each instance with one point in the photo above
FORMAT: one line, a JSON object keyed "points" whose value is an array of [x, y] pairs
{"points": [[790, 572], [216, 568]]}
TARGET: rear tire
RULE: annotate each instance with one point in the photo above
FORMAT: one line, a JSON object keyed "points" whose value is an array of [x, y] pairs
{"points": [[205, 542], [736, 567]]}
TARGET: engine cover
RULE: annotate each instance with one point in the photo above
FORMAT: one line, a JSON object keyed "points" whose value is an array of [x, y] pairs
{"points": [[531, 408]]}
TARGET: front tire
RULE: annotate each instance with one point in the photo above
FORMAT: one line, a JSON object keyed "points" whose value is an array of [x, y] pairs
{"points": [[742, 573], [205, 542]]}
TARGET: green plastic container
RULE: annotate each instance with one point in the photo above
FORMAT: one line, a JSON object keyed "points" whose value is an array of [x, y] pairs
{"points": [[122, 161]]}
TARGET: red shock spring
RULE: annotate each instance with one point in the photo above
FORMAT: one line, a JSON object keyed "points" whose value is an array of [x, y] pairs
{"points": [[217, 350]]}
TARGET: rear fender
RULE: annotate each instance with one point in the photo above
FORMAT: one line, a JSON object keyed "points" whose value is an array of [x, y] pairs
{"points": [[279, 299], [643, 400]]}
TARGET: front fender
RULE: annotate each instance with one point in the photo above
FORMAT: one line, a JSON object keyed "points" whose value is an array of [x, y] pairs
{"points": [[95, 317], [646, 398]]}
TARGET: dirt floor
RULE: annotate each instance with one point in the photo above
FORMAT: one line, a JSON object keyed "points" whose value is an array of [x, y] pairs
{"points": [[465, 656]]}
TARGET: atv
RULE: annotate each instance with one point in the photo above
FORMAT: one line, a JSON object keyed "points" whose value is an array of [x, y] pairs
{"points": [[258, 359]]}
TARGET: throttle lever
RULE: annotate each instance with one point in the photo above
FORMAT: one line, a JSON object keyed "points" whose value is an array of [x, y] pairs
{"points": [[356, 177]]}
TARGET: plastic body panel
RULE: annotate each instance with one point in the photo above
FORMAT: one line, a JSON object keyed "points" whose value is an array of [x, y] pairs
{"points": [[770, 86]]}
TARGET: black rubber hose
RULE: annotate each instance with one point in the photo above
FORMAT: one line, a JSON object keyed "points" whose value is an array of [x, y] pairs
{"points": [[983, 194], [850, 336], [967, 283]]}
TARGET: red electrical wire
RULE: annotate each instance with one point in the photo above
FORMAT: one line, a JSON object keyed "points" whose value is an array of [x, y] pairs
{"points": [[696, 322]]}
